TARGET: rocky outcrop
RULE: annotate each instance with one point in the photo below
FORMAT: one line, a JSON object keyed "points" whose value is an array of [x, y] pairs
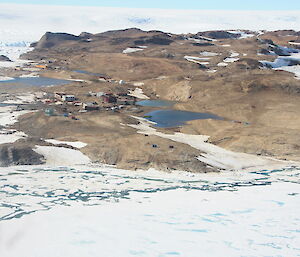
{"points": [[155, 40], [12, 154], [219, 34], [248, 64], [4, 58], [50, 39], [122, 33], [86, 35]]}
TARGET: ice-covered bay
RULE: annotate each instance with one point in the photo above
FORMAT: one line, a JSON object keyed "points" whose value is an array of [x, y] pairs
{"points": [[97, 210]]}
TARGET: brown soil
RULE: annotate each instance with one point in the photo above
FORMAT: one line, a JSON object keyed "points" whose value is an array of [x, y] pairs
{"points": [[261, 107]]}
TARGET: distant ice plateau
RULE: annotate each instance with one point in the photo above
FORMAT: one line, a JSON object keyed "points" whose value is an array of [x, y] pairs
{"points": [[19, 23]]}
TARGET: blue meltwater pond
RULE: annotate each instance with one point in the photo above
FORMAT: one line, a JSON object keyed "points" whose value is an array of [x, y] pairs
{"points": [[36, 81], [175, 118], [156, 103]]}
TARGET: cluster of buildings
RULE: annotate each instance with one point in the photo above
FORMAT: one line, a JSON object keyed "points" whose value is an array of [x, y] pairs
{"points": [[108, 101]]}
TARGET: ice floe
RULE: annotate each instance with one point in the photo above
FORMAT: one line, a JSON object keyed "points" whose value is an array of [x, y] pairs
{"points": [[85, 211]]}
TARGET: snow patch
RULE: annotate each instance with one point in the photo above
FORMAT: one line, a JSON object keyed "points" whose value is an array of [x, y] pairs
{"points": [[243, 34], [230, 60], [30, 75], [138, 84], [285, 63], [62, 156], [130, 50], [25, 98], [8, 136], [8, 115], [76, 144], [222, 64], [293, 69], [196, 58], [294, 43], [209, 54], [2, 78], [212, 155], [138, 93]]}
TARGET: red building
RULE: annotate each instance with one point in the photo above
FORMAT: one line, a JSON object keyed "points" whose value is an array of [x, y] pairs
{"points": [[109, 98]]}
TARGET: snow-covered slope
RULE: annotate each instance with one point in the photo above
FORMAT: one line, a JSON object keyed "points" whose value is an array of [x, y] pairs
{"points": [[29, 22], [14, 49]]}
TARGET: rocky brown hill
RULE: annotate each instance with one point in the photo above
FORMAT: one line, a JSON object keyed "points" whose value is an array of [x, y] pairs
{"points": [[218, 72]]}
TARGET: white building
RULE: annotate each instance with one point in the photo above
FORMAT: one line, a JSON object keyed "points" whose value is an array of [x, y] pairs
{"points": [[68, 98]]}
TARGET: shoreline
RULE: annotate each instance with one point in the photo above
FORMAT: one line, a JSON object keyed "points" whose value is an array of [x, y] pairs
{"points": [[212, 155]]}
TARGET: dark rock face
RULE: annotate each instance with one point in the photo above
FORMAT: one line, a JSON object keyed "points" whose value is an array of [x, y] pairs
{"points": [[265, 52], [11, 154], [120, 40], [249, 64], [4, 58], [203, 44], [218, 34], [53, 39], [267, 41], [86, 35], [122, 33], [155, 40]]}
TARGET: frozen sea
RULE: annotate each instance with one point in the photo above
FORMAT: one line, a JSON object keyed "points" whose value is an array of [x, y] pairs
{"points": [[102, 211], [88, 211]]}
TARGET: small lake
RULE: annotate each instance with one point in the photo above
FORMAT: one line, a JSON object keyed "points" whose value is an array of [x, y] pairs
{"points": [[36, 81], [156, 103], [175, 118], [5, 105], [88, 73]]}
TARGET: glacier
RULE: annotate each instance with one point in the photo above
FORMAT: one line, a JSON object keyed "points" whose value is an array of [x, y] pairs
{"points": [[29, 22]]}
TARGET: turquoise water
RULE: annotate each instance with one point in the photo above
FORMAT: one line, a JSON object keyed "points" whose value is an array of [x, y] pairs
{"points": [[4, 105], [156, 103], [36, 81], [175, 118]]}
